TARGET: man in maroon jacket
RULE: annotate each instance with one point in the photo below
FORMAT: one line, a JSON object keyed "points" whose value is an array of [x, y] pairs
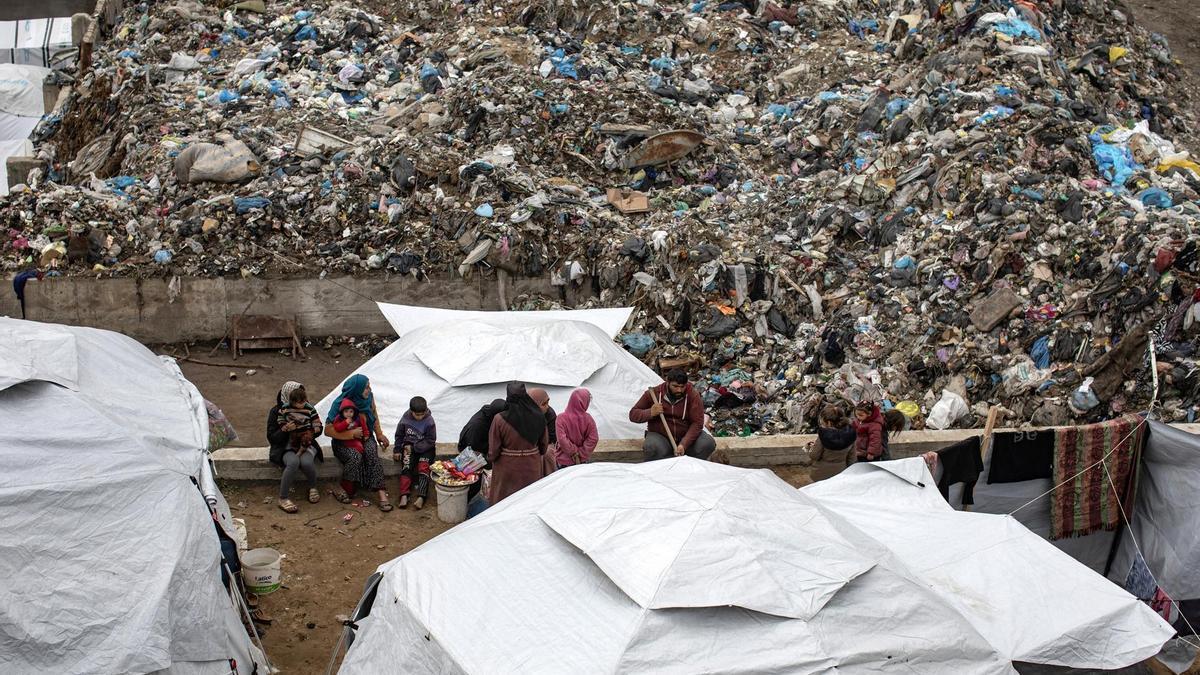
{"points": [[679, 403]]}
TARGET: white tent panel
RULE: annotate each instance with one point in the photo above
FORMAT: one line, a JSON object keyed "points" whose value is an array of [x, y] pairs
{"points": [[1029, 599], [530, 350], [1166, 513], [34, 42], [407, 318], [580, 603], [108, 550], [37, 352]]}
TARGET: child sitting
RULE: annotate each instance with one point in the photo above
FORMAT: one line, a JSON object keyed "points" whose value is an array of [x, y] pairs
{"points": [[301, 421], [349, 420], [416, 438]]}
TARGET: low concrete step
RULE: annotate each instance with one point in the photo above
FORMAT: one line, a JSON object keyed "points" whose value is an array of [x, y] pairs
{"points": [[756, 451]]}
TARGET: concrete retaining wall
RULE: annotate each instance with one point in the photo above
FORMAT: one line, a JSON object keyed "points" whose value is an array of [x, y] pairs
{"points": [[757, 451], [144, 310]]}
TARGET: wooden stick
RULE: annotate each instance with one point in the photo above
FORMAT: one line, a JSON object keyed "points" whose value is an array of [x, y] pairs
{"points": [[663, 419], [221, 364]]}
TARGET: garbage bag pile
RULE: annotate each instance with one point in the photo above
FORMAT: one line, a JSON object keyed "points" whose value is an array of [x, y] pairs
{"points": [[941, 206]]}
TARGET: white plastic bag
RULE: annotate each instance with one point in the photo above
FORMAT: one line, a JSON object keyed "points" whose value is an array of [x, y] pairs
{"points": [[947, 411]]}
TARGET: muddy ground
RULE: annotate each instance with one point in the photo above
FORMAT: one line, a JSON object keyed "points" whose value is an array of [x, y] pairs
{"points": [[247, 399], [326, 560]]}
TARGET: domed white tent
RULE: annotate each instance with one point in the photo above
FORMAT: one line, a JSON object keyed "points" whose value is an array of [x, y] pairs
{"points": [[460, 360], [109, 556], [685, 566]]}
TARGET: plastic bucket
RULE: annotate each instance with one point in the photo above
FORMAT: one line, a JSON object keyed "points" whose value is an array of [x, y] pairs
{"points": [[260, 570], [452, 503]]}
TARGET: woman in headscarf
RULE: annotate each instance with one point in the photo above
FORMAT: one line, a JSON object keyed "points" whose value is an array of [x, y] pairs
{"points": [[517, 444], [359, 470], [577, 435], [475, 434], [542, 398], [284, 453]]}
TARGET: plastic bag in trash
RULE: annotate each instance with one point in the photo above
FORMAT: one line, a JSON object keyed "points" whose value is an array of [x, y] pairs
{"points": [[947, 411]]}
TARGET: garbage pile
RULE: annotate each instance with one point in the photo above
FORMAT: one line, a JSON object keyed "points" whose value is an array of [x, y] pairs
{"points": [[943, 206]]}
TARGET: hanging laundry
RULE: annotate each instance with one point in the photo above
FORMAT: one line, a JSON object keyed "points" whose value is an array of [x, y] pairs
{"points": [[1140, 582], [1021, 455], [961, 463], [1084, 499]]}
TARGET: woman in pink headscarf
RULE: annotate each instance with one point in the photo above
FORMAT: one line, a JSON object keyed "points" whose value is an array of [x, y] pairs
{"points": [[577, 436]]}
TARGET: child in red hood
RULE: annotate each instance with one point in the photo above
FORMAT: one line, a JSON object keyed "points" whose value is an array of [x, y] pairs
{"points": [[871, 443], [348, 420]]}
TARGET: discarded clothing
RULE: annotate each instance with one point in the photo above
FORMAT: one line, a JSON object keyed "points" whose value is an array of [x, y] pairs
{"points": [[1092, 469], [1021, 455]]}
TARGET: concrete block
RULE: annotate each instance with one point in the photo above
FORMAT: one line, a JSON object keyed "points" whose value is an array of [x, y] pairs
{"points": [[19, 167]]}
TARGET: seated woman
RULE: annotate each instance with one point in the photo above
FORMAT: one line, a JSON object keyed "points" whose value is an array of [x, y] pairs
{"points": [[517, 444], [360, 470], [292, 426]]}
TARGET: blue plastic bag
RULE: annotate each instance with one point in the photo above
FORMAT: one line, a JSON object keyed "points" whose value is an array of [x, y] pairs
{"points": [[638, 344], [246, 204]]}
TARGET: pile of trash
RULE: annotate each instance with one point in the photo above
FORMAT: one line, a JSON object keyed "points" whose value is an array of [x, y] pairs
{"points": [[944, 206]]}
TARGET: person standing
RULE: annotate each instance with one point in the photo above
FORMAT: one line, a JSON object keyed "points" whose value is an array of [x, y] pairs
{"points": [[871, 441], [577, 435], [676, 401], [359, 470], [835, 433], [542, 398], [517, 444]]}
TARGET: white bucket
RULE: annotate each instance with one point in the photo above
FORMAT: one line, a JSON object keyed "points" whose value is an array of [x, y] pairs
{"points": [[452, 503], [260, 570]]}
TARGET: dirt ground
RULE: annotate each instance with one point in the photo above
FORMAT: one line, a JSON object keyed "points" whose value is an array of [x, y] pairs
{"points": [[246, 400], [326, 560]]}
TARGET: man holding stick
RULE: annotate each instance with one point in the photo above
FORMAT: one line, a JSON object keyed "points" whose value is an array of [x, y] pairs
{"points": [[674, 417]]}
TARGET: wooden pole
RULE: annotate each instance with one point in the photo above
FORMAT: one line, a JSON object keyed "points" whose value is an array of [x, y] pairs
{"points": [[663, 419]]}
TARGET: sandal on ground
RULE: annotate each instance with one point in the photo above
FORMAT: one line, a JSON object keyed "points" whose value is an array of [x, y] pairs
{"points": [[403, 502], [343, 497], [287, 506], [314, 495], [385, 505], [252, 600], [260, 618]]}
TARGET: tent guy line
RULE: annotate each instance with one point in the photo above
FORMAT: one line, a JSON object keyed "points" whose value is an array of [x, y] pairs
{"points": [[1138, 547]]}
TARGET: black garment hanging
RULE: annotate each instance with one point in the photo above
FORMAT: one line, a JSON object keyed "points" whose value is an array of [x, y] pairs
{"points": [[961, 463], [1021, 455]]}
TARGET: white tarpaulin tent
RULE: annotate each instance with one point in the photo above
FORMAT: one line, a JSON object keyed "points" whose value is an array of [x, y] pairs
{"points": [[34, 42], [21, 108], [1163, 521], [461, 360], [110, 560], [685, 566]]}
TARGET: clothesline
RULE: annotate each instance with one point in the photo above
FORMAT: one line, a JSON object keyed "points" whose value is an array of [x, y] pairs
{"points": [[1145, 418]]}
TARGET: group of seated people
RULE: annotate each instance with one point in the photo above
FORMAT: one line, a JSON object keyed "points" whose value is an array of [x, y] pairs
{"points": [[521, 436]]}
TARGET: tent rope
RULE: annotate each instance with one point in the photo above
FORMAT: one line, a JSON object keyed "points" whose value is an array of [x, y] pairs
{"points": [[1137, 547]]}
